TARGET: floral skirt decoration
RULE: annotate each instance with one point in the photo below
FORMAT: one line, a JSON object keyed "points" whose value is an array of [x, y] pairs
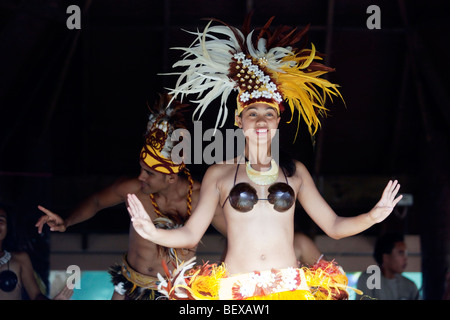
{"points": [[323, 281]]}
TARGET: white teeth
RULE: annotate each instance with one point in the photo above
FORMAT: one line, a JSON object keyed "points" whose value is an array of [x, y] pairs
{"points": [[261, 130]]}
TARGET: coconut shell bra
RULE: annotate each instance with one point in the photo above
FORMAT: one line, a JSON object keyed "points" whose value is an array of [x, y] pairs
{"points": [[243, 196], [8, 279]]}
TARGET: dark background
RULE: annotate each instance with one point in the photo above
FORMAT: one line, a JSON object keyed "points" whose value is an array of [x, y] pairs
{"points": [[73, 107]]}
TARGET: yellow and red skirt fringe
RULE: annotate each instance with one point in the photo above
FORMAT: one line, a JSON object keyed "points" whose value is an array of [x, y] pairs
{"points": [[323, 281]]}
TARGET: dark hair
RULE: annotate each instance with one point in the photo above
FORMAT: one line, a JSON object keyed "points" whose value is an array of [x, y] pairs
{"points": [[385, 244], [287, 162], [9, 243]]}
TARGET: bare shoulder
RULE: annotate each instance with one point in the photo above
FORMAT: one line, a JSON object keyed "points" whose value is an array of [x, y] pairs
{"points": [[21, 257], [124, 186], [302, 172], [300, 167], [221, 171], [196, 186]]}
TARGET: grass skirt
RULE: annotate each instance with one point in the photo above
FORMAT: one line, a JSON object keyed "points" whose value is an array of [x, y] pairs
{"points": [[323, 281]]}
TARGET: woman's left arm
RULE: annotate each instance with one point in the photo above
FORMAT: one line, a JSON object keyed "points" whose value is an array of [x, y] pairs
{"points": [[28, 277], [340, 227]]}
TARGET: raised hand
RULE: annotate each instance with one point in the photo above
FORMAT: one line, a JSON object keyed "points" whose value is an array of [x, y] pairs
{"points": [[388, 201], [140, 218], [54, 221], [65, 294]]}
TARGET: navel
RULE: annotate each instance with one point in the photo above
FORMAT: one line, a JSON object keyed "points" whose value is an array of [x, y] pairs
{"points": [[263, 257]]}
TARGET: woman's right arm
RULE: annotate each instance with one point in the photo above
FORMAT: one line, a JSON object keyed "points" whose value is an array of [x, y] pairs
{"points": [[191, 233]]}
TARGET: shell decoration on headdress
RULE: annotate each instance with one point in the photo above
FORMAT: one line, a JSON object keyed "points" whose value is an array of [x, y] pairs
{"points": [[164, 119], [262, 65]]}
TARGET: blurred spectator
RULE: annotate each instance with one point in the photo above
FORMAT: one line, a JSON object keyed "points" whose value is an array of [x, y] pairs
{"points": [[17, 276], [387, 282]]}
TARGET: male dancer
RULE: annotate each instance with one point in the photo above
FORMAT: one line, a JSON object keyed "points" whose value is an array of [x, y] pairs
{"points": [[166, 190]]}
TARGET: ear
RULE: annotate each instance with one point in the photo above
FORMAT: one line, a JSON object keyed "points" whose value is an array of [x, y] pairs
{"points": [[172, 178], [238, 121]]}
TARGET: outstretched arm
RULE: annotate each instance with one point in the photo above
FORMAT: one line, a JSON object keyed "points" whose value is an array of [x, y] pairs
{"points": [[110, 196], [340, 227], [191, 233]]}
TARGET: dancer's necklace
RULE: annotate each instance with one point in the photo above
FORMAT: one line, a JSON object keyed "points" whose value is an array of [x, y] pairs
{"points": [[263, 177], [6, 257]]}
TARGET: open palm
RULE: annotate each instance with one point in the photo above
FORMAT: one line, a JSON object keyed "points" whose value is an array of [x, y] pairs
{"points": [[140, 218], [388, 201]]}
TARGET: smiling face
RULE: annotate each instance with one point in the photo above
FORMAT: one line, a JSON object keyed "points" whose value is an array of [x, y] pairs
{"points": [[259, 122], [152, 181]]}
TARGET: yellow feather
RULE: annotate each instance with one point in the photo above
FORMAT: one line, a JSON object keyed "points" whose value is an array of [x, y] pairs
{"points": [[309, 59], [304, 91]]}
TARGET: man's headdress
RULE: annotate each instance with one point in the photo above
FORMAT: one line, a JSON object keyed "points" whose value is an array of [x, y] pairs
{"points": [[156, 153], [164, 119]]}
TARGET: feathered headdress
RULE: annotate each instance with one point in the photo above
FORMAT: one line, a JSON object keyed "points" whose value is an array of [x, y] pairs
{"points": [[163, 120], [263, 66]]}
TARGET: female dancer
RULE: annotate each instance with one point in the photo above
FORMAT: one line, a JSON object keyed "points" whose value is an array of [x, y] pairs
{"points": [[257, 194], [16, 271]]}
